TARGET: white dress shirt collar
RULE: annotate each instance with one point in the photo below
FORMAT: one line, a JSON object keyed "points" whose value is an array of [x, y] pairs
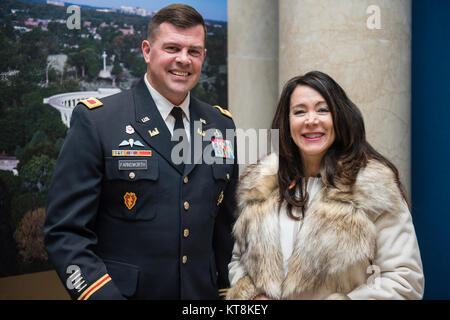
{"points": [[165, 106]]}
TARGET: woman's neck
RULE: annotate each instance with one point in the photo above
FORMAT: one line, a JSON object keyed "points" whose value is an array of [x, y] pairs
{"points": [[311, 167]]}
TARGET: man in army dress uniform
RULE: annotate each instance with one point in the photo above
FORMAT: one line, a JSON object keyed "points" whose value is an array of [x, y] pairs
{"points": [[125, 218]]}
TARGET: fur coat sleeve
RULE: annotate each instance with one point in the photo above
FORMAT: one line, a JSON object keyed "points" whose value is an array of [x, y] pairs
{"points": [[354, 242]]}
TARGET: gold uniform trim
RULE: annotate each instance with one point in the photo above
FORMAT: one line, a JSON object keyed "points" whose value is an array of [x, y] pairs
{"points": [[223, 111], [223, 292], [94, 287]]}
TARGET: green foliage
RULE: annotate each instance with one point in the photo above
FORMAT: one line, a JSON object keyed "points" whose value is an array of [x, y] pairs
{"points": [[19, 125], [13, 131], [50, 123], [59, 143], [117, 69], [38, 138], [13, 184], [42, 148], [87, 62], [7, 246], [135, 64], [37, 173], [24, 202], [200, 93]]}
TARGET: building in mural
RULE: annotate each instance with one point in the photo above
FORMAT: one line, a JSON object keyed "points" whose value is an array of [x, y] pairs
{"points": [[65, 102]]}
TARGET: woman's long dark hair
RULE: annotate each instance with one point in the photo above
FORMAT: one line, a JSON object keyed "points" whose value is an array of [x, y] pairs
{"points": [[349, 152]]}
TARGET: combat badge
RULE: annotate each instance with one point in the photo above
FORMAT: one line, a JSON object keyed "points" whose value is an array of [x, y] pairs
{"points": [[130, 200], [131, 143]]}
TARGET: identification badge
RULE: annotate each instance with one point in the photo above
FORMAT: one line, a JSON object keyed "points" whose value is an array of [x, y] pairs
{"points": [[132, 164], [222, 148], [132, 153]]}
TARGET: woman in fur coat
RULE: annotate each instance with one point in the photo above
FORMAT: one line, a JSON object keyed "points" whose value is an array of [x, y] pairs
{"points": [[328, 217]]}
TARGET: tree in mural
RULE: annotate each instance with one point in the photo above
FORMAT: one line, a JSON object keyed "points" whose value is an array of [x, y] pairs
{"points": [[30, 237], [37, 173]]}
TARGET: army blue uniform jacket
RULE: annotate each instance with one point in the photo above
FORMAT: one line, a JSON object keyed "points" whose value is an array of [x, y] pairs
{"points": [[123, 221]]}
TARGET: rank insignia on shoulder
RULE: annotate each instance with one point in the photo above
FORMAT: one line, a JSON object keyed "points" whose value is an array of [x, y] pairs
{"points": [[223, 111], [91, 103]]}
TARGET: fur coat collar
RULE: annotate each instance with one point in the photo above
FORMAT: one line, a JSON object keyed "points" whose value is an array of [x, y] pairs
{"points": [[336, 242]]}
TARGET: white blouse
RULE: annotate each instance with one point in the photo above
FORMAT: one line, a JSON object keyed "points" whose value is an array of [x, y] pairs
{"points": [[290, 227]]}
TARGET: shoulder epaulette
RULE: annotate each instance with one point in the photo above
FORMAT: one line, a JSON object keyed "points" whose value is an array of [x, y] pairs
{"points": [[223, 111], [92, 103]]}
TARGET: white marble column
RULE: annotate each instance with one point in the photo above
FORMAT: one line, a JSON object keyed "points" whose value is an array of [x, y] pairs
{"points": [[252, 63], [365, 46]]}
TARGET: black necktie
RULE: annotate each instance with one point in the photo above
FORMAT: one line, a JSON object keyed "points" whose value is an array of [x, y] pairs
{"points": [[177, 113]]}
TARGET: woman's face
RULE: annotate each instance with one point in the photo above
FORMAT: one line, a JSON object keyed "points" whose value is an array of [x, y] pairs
{"points": [[311, 123]]}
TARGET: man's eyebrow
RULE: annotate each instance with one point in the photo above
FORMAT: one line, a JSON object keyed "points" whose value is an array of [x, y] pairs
{"points": [[179, 45], [196, 47]]}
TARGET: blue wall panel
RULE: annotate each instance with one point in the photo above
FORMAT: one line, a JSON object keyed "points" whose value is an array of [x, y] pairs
{"points": [[430, 147]]}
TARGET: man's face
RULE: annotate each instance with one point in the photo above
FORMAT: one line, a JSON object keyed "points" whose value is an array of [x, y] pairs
{"points": [[174, 60]]}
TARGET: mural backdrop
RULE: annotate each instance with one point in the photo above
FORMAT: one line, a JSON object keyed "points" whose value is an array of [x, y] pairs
{"points": [[49, 48]]}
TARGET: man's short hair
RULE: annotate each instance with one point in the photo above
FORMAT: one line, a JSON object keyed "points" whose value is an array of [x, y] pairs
{"points": [[179, 15]]}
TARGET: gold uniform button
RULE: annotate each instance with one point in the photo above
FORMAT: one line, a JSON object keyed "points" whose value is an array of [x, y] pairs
{"points": [[186, 205], [132, 175], [184, 259], [228, 176], [186, 233], [186, 179]]}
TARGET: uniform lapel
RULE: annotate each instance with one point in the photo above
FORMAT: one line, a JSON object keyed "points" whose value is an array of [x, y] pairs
{"points": [[197, 139], [149, 123]]}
